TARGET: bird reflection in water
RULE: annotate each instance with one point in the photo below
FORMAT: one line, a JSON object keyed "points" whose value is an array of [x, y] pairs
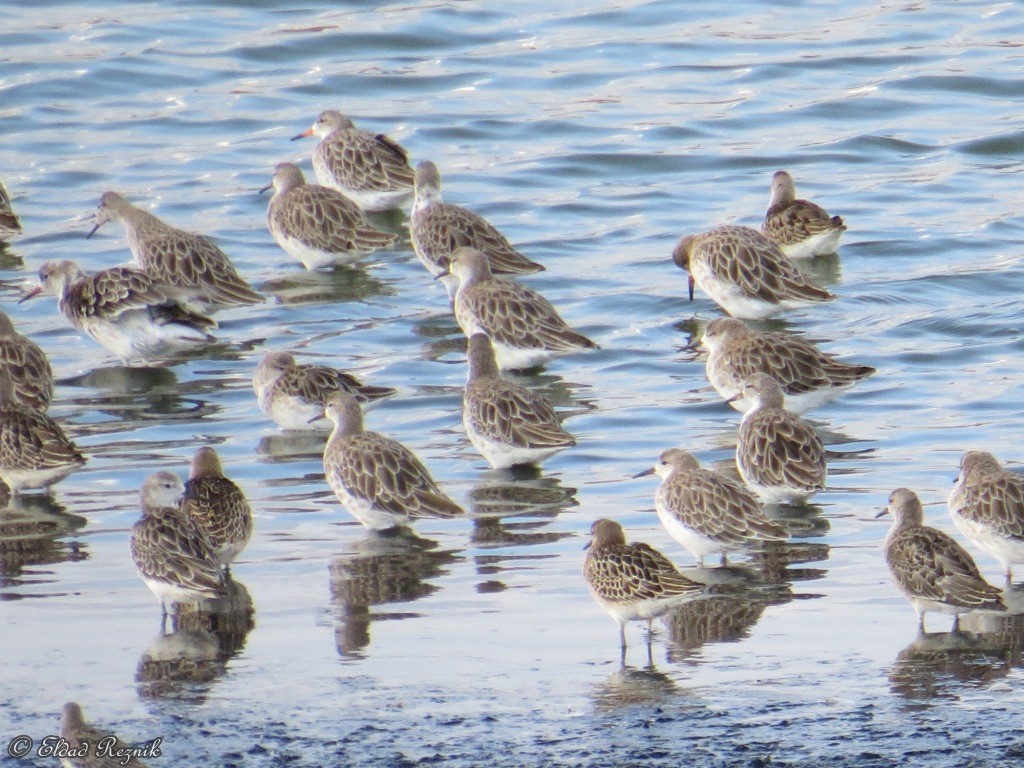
{"points": [[628, 686], [182, 663], [32, 532], [134, 394], [941, 665], [512, 508], [344, 284], [737, 598], [381, 569]]}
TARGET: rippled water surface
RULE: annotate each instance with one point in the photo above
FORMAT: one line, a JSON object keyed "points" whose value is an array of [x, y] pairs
{"points": [[594, 138]]}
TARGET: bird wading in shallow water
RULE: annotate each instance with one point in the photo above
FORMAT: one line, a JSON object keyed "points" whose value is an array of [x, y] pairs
{"points": [[745, 273], [931, 570], [632, 581], [987, 505], [192, 269], [524, 328], [800, 228], [370, 169]]}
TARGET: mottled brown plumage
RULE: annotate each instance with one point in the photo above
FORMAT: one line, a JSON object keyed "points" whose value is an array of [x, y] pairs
{"points": [[439, 228], [217, 505], [929, 567], [34, 451], [523, 326], [319, 225], [987, 505], [194, 270], [371, 169], [27, 365], [706, 512], [745, 273], [294, 395], [378, 480], [808, 376], [171, 552], [124, 309], [799, 227], [508, 423], [778, 454], [78, 734], [631, 581]]}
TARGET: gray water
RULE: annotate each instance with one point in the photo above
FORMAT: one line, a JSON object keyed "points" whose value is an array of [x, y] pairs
{"points": [[594, 139]]}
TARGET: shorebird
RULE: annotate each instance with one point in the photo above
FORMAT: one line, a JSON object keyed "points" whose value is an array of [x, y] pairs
{"points": [[508, 423], [217, 505], [123, 309], [987, 505], [799, 227], [102, 749], [171, 552], [27, 365], [195, 271], [706, 512], [439, 228], [378, 480], [295, 395], [778, 454], [808, 377], [523, 326], [371, 169], [632, 581], [9, 224], [931, 570], [34, 451], [319, 225], [745, 273]]}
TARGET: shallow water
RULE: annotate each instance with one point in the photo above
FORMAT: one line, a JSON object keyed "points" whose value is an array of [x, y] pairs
{"points": [[593, 139]]}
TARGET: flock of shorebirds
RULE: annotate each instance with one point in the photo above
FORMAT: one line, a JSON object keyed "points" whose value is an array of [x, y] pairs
{"points": [[189, 533]]}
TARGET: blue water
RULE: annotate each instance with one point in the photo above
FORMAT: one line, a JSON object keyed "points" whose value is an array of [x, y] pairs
{"points": [[594, 139]]}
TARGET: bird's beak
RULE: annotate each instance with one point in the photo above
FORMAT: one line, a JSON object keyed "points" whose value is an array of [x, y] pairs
{"points": [[690, 281], [885, 511], [444, 273], [317, 418], [264, 189], [734, 398], [587, 545], [304, 135], [645, 473], [31, 294], [93, 230]]}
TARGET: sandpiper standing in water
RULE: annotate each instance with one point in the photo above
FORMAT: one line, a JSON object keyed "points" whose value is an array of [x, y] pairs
{"points": [[123, 309], [800, 228], [294, 394], [371, 169], [196, 272], [808, 377], [171, 552], [632, 581], [745, 273], [930, 568], [987, 505], [779, 455], [378, 480], [319, 225], [523, 326], [706, 512], [438, 228], [218, 505], [509, 424]]}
